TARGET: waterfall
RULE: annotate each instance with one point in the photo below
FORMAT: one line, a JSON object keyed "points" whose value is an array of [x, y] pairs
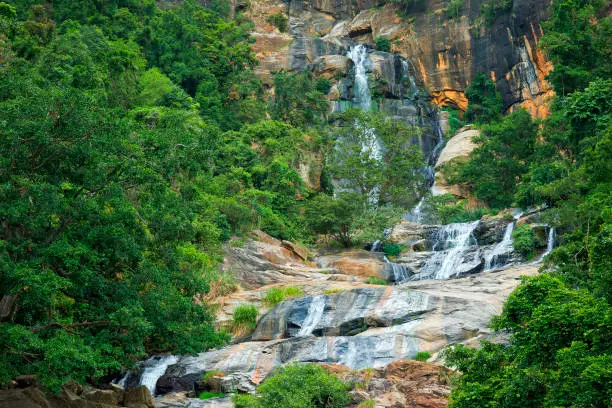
{"points": [[315, 313], [452, 242], [416, 215], [498, 256], [398, 272], [359, 55], [154, 368], [550, 243]]}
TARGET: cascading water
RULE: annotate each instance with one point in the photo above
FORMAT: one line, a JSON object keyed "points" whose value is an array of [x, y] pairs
{"points": [[359, 55], [550, 244], [398, 273], [315, 313], [499, 255], [154, 368], [452, 244]]}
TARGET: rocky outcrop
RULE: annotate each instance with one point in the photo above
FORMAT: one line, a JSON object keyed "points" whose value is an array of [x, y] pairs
{"points": [[402, 384], [458, 146], [343, 314], [263, 260], [444, 52], [354, 262], [74, 395], [456, 311]]}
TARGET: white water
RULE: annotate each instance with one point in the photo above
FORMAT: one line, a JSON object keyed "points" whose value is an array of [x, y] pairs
{"points": [[359, 55], [550, 243], [498, 255], [399, 272], [154, 368], [315, 313], [453, 241], [416, 215]]}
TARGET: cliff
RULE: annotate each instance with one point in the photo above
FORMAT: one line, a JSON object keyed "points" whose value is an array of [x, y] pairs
{"points": [[444, 53]]}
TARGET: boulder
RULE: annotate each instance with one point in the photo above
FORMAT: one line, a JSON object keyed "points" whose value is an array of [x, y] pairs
{"points": [[354, 262], [297, 250], [361, 24], [458, 146], [139, 397], [407, 233], [329, 66], [109, 397], [30, 397]]}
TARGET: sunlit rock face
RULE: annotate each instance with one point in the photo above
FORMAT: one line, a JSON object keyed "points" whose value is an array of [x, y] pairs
{"points": [[445, 53]]}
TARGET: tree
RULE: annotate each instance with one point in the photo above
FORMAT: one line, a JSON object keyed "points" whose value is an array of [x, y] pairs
{"points": [[485, 104], [374, 157]]}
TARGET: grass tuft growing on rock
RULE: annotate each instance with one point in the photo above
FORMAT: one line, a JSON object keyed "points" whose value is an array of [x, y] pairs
{"points": [[422, 356], [373, 280], [276, 295], [245, 318]]}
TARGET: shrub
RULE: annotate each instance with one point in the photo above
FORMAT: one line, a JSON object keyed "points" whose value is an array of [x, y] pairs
{"points": [[454, 8], [370, 403], [276, 295], [373, 280], [278, 20], [245, 317], [208, 395], [391, 249], [422, 356], [302, 386], [524, 241], [323, 85], [383, 44]]}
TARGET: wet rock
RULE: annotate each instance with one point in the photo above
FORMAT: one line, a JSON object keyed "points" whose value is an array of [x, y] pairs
{"points": [[491, 229], [341, 314], [407, 232]]}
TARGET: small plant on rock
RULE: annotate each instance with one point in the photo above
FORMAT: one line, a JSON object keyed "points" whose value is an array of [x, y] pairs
{"points": [[279, 20], [373, 280], [245, 318], [422, 356]]}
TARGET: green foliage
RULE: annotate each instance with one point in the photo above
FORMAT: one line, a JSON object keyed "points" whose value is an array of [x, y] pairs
{"points": [[278, 20], [383, 44], [278, 294], [332, 291], [577, 41], [345, 219], [298, 386], [245, 317], [373, 280], [453, 10], [484, 100], [369, 403], [392, 249], [491, 9], [524, 241], [445, 209], [298, 99], [422, 356], [208, 395], [556, 357], [454, 122], [560, 322], [496, 167], [386, 180]]}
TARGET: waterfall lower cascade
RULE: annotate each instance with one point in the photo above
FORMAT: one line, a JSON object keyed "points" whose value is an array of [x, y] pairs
{"points": [[154, 368], [501, 251], [454, 251]]}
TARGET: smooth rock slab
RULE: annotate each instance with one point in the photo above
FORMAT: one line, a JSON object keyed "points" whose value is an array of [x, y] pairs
{"points": [[345, 313]]}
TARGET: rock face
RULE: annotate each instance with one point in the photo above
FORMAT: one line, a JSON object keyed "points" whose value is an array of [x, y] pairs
{"points": [[402, 384], [343, 314], [458, 146], [355, 262], [397, 322], [443, 53], [74, 396]]}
